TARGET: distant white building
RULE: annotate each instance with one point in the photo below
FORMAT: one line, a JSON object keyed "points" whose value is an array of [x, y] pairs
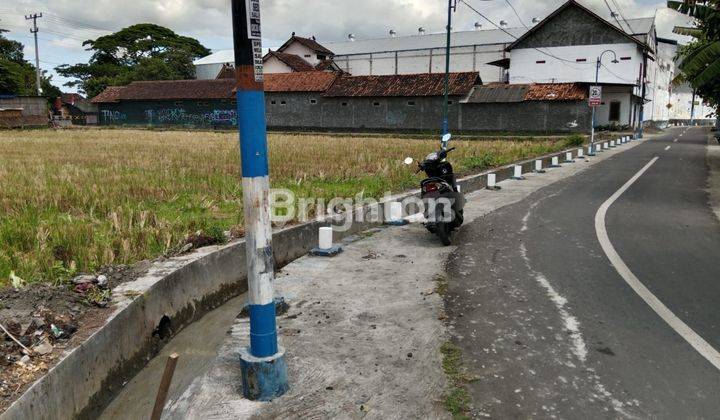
{"points": [[562, 48], [425, 53]]}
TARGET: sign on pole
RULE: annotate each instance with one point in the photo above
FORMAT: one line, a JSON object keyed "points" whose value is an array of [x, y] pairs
{"points": [[595, 98]]}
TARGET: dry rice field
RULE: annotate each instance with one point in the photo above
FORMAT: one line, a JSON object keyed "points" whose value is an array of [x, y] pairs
{"points": [[74, 201]]}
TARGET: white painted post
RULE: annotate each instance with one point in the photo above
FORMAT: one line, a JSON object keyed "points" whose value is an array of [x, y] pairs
{"points": [[395, 211], [581, 153], [517, 172], [325, 238], [612, 143], [555, 162], [606, 145], [491, 181], [569, 157], [538, 165]]}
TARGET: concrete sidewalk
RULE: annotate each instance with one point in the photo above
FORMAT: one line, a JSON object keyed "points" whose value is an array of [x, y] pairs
{"points": [[364, 329]]}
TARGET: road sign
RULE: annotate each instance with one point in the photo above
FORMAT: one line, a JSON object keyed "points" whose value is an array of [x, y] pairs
{"points": [[595, 95]]}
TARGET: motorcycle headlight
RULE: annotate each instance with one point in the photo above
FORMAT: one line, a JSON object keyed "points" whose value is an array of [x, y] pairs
{"points": [[432, 156]]}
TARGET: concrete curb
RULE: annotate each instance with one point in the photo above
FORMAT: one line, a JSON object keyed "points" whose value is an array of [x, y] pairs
{"points": [[172, 295]]}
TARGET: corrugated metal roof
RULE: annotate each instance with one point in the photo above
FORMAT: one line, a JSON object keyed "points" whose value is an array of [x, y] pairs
{"points": [[498, 93], [416, 42], [218, 57], [502, 93], [402, 85]]}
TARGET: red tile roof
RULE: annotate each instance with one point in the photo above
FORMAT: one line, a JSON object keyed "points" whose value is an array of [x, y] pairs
{"points": [[71, 98], [556, 92], [295, 62], [403, 85], [310, 43], [313, 81], [109, 95], [310, 81]]}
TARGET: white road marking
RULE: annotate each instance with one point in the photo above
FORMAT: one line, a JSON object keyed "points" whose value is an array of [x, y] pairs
{"points": [[675, 141], [687, 333], [667, 148]]}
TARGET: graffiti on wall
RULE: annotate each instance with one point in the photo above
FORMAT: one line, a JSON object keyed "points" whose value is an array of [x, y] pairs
{"points": [[171, 116], [109, 116]]}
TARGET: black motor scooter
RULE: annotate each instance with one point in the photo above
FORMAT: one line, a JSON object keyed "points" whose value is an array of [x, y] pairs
{"points": [[440, 193]]}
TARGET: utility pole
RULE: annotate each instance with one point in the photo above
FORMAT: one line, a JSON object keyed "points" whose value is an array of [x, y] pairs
{"points": [[641, 129], [598, 64], [262, 364], [692, 108], [452, 6], [34, 30]]}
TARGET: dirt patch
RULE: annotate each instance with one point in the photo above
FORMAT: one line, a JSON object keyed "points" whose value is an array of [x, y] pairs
{"points": [[43, 320]]}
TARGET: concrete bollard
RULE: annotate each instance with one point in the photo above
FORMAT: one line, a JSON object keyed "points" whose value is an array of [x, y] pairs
{"points": [[569, 157], [606, 145], [555, 162], [539, 167], [580, 153], [517, 173], [491, 182], [394, 213], [592, 150], [325, 246], [612, 143]]}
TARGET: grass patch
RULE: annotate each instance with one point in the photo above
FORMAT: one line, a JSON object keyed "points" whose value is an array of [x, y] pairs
{"points": [[457, 400], [77, 200]]}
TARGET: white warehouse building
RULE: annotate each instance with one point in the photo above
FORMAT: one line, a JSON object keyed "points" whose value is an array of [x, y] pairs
{"points": [[562, 48]]}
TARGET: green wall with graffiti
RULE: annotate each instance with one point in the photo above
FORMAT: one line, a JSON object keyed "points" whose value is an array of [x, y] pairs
{"points": [[215, 113]]}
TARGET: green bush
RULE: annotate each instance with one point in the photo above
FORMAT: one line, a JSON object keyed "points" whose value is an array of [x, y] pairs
{"points": [[574, 140]]}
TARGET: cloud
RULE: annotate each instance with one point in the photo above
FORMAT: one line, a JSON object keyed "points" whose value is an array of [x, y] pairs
{"points": [[328, 20]]}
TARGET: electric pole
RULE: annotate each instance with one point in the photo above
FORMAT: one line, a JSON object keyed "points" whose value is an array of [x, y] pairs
{"points": [[262, 364], [34, 30]]}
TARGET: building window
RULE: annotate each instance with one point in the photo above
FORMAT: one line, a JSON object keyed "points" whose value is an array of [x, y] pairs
{"points": [[273, 102], [411, 103], [614, 111], [313, 101], [307, 55], [321, 57], [625, 58], [376, 103], [344, 104], [283, 103], [581, 60], [450, 102], [540, 62]]}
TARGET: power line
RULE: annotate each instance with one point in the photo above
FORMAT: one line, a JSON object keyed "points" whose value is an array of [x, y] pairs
{"points": [[564, 61], [622, 17], [615, 15], [516, 14]]}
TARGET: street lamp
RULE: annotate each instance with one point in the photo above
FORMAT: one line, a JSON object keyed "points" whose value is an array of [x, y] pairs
{"points": [[597, 76], [452, 6]]}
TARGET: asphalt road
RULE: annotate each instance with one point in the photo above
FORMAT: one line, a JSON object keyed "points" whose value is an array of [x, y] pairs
{"points": [[546, 313]]}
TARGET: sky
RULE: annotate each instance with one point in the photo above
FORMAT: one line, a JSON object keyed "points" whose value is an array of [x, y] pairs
{"points": [[67, 23]]}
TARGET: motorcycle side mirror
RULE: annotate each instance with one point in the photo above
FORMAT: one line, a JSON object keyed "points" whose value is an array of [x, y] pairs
{"points": [[409, 161], [445, 140]]}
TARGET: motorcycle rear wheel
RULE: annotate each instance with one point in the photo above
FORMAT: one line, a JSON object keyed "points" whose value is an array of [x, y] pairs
{"points": [[442, 230]]}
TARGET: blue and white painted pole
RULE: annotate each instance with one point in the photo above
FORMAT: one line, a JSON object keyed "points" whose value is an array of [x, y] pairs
{"points": [[264, 372]]}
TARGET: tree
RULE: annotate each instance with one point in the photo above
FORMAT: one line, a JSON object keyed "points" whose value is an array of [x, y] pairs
{"points": [[700, 60], [139, 52], [17, 76]]}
